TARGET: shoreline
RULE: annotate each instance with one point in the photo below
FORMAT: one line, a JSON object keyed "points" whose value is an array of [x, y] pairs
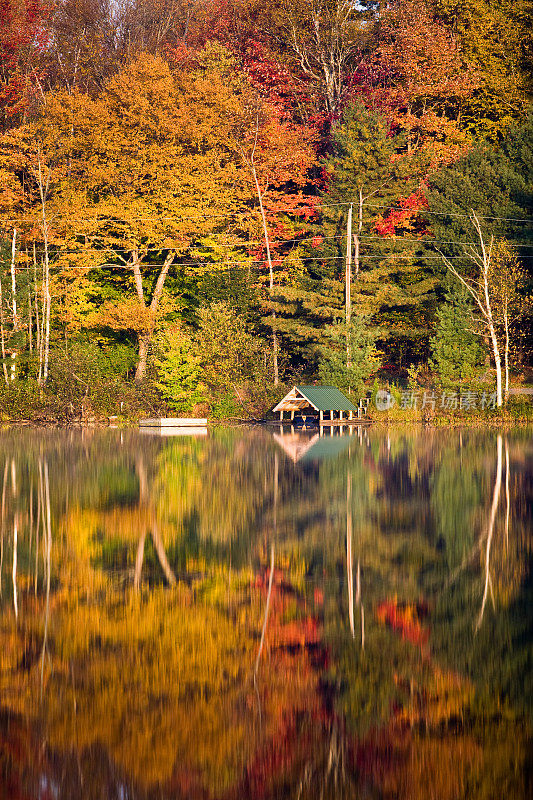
{"points": [[505, 420]]}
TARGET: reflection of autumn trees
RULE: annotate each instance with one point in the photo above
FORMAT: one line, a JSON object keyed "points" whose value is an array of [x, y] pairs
{"points": [[158, 587]]}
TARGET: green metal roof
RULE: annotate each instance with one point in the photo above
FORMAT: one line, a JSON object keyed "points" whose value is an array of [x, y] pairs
{"points": [[326, 398]]}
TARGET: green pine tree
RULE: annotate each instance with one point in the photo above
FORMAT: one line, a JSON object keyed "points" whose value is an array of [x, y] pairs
{"points": [[458, 353], [392, 284], [350, 357]]}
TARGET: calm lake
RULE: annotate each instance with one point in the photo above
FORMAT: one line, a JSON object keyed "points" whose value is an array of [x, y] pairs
{"points": [[148, 650]]}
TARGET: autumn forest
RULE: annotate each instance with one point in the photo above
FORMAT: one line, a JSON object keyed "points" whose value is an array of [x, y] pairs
{"points": [[204, 202]]}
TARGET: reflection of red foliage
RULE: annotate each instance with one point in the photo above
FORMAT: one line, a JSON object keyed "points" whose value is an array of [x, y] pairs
{"points": [[301, 710], [404, 618], [20, 754]]}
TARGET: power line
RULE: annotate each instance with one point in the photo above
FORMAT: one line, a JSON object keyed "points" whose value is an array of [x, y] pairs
{"points": [[318, 206], [422, 211], [220, 265], [363, 237]]}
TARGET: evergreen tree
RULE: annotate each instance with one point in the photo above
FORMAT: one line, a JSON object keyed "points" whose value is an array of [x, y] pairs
{"points": [[495, 182], [335, 368], [457, 352], [392, 285]]}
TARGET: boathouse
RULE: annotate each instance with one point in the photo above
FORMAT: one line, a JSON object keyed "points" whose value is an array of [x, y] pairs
{"points": [[316, 402]]}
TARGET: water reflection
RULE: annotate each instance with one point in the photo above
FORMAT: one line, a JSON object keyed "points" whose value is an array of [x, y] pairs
{"points": [[266, 614]]}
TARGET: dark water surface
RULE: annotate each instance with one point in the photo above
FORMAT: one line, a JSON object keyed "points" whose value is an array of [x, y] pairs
{"points": [[148, 651]]}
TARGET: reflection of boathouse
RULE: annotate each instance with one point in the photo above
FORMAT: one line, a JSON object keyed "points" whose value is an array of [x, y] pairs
{"points": [[307, 447], [318, 403]]}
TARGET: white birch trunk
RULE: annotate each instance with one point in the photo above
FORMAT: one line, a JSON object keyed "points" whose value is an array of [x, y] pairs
{"points": [[43, 191], [14, 302], [480, 291], [497, 363], [506, 353], [348, 284], [47, 321], [2, 335]]}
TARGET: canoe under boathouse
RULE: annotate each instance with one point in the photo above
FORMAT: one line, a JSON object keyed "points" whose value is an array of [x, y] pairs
{"points": [[322, 403]]}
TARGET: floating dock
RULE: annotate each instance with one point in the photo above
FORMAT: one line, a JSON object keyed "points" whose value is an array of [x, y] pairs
{"points": [[174, 426]]}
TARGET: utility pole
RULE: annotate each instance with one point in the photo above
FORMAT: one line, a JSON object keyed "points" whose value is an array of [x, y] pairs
{"points": [[349, 266]]}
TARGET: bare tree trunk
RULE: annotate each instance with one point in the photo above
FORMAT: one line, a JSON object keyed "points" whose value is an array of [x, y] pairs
{"points": [[2, 334], [144, 346], [47, 322], [43, 191], [14, 302], [506, 354], [498, 364], [490, 529], [30, 321], [41, 329], [145, 339], [36, 295], [480, 292]]}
